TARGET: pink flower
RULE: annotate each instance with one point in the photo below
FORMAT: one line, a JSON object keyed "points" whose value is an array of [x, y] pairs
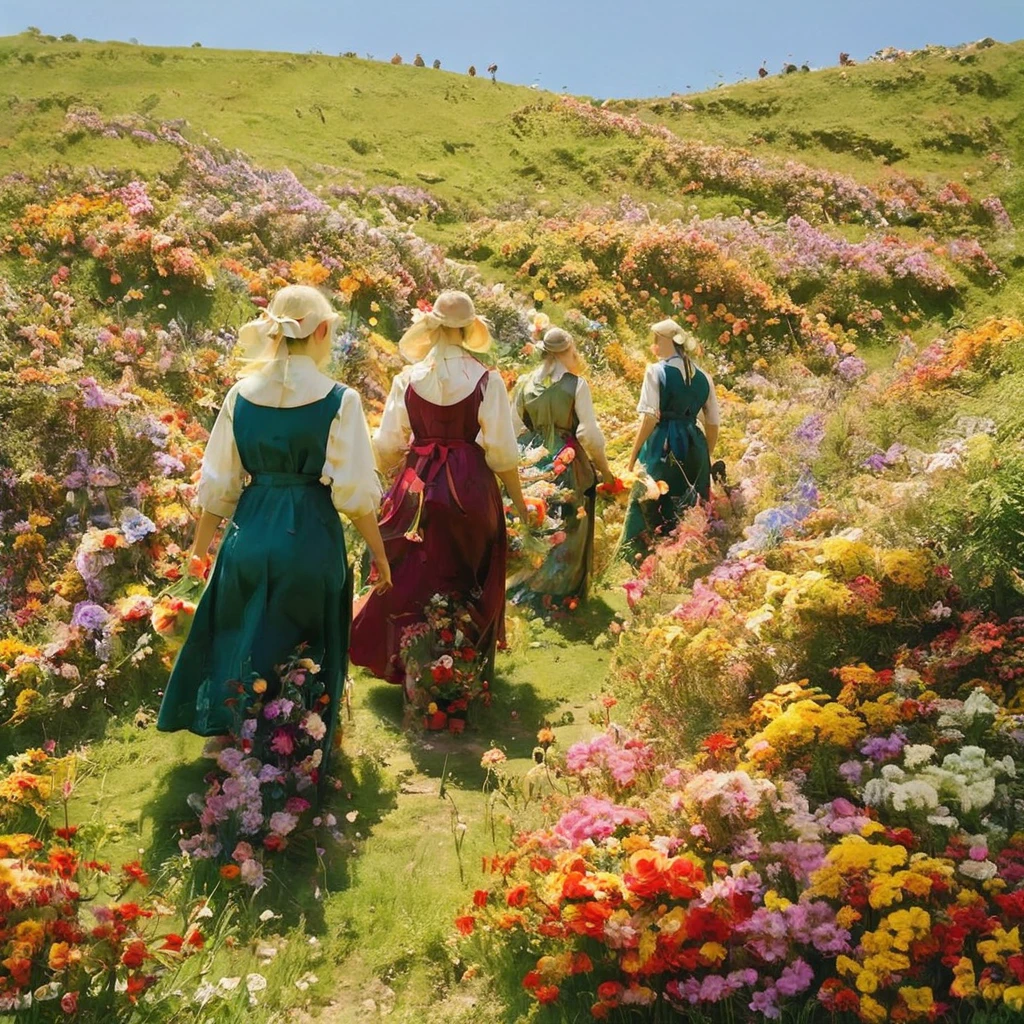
{"points": [[242, 853], [296, 805], [282, 822], [282, 743]]}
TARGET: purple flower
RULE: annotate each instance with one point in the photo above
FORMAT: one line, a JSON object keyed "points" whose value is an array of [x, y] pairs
{"points": [[96, 397], [851, 368], [883, 748], [795, 978], [168, 464], [765, 1004], [851, 771], [89, 615]]}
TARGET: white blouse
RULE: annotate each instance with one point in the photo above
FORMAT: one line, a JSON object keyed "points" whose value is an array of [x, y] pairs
{"points": [[348, 467], [589, 433], [447, 376], [650, 392]]}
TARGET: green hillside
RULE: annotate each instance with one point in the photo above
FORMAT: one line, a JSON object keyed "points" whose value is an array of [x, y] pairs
{"points": [[344, 119]]}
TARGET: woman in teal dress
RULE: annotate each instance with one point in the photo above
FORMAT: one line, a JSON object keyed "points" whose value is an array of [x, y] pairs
{"points": [[289, 450], [554, 411], [672, 449]]}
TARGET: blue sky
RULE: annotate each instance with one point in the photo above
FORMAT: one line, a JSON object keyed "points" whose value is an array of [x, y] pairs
{"points": [[595, 47]]}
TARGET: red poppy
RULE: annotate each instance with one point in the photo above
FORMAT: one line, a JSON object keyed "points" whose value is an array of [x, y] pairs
{"points": [[718, 742], [546, 994], [137, 984], [542, 865], [172, 943], [195, 938], [134, 871], [609, 991], [67, 833], [581, 964], [465, 924], [480, 898], [517, 896]]}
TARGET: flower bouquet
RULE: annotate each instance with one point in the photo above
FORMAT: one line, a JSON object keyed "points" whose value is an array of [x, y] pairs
{"points": [[443, 664], [174, 610]]}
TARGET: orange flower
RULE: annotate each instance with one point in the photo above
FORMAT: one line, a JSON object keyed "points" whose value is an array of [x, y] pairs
{"points": [[230, 872], [465, 924]]}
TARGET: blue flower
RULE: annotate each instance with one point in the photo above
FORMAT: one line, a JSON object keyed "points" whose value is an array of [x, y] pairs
{"points": [[135, 526]]}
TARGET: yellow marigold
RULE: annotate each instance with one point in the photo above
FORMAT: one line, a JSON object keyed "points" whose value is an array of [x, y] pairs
{"points": [[867, 981], [713, 952], [27, 703], [918, 1000], [1002, 944], [881, 716], [847, 917], [30, 934], [871, 1011], [1013, 997], [964, 983]]}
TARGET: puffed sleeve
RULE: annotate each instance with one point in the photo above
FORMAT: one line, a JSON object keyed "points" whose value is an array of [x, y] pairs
{"points": [[355, 489], [650, 392], [589, 433], [518, 404], [391, 439], [222, 476], [497, 434], [711, 414]]}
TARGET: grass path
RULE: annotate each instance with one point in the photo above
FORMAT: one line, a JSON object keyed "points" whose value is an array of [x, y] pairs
{"points": [[384, 914]]}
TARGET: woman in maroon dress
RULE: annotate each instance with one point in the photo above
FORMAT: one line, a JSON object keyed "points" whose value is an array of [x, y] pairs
{"points": [[448, 423]]}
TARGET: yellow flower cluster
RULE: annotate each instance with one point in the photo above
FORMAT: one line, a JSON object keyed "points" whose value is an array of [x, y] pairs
{"points": [[907, 568], [848, 558], [808, 723]]}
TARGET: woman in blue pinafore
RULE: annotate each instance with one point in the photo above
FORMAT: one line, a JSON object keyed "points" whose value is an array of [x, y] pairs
{"points": [[672, 449], [289, 451]]}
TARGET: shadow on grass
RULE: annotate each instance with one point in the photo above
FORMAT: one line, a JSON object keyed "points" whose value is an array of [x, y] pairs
{"points": [[300, 878], [516, 713], [589, 621]]}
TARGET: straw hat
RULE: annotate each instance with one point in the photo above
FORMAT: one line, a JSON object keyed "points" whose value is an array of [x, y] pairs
{"points": [[556, 340], [451, 309], [683, 340]]}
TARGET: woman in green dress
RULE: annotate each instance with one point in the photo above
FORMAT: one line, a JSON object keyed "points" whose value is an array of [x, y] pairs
{"points": [[554, 412], [672, 449], [289, 450]]}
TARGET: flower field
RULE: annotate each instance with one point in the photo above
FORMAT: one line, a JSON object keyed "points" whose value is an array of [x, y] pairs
{"points": [[770, 772]]}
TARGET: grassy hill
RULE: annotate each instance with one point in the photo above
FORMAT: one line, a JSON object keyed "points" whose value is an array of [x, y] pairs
{"points": [[939, 114]]}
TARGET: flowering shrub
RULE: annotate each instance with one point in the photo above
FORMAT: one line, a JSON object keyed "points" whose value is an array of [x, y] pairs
{"points": [[756, 876], [71, 943]]}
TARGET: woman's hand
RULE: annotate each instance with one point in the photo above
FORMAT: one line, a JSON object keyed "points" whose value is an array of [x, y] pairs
{"points": [[383, 584]]}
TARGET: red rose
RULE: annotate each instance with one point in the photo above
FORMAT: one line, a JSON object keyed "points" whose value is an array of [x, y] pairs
{"points": [[134, 953], [609, 991], [69, 1003], [517, 896]]}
